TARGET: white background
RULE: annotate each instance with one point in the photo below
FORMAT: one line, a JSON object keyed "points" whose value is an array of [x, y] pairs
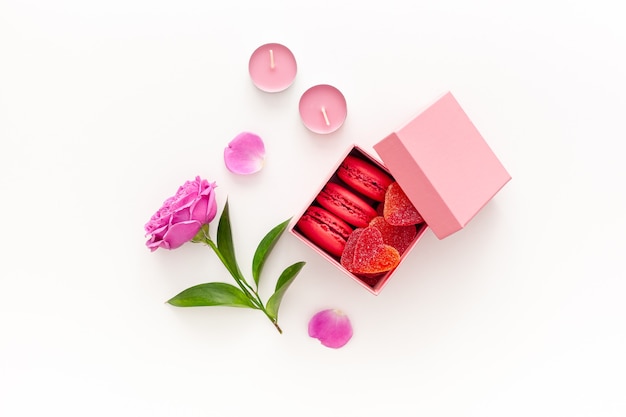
{"points": [[106, 107]]}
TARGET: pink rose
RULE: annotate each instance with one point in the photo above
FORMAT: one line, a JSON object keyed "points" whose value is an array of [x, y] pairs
{"points": [[181, 216]]}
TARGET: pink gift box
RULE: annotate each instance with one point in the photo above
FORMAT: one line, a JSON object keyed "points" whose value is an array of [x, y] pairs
{"points": [[443, 165]]}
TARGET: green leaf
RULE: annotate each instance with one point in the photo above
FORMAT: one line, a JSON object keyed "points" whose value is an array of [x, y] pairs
{"points": [[284, 281], [211, 294], [263, 250], [225, 243]]}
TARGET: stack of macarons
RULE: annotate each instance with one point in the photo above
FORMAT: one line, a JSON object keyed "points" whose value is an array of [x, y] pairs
{"points": [[362, 217]]}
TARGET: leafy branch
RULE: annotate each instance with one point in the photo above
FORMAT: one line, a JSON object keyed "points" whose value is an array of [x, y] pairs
{"points": [[244, 295]]}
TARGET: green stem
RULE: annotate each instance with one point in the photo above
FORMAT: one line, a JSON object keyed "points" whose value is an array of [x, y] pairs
{"points": [[243, 284], [236, 275], [275, 323]]}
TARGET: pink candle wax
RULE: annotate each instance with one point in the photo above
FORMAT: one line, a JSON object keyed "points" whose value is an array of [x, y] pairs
{"points": [[323, 108], [272, 67]]}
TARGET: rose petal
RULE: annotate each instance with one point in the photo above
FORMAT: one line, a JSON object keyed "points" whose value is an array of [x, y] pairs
{"points": [[332, 327], [181, 215], [245, 154], [205, 207], [180, 233]]}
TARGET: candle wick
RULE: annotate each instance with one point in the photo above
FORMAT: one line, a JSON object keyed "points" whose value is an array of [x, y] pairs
{"points": [[325, 116], [272, 65]]}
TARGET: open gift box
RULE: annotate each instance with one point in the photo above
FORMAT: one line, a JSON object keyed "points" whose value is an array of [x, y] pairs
{"points": [[442, 164]]}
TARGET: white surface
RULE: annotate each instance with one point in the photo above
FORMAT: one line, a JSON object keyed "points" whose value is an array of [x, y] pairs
{"points": [[107, 107]]}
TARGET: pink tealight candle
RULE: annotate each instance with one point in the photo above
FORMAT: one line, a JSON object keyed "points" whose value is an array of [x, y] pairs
{"points": [[323, 108], [272, 67]]}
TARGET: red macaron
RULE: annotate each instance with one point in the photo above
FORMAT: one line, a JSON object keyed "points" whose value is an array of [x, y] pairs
{"points": [[346, 205], [324, 229], [364, 177]]}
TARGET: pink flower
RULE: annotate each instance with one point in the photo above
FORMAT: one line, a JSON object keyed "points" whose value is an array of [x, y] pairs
{"points": [[245, 154], [182, 215], [331, 327]]}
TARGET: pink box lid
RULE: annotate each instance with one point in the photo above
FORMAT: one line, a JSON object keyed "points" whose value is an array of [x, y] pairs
{"points": [[444, 166]]}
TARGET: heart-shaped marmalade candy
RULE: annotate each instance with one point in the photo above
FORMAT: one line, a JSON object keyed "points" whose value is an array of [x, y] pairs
{"points": [[398, 209], [366, 253], [400, 237]]}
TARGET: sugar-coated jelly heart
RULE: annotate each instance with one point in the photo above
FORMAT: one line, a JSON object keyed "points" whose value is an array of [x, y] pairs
{"points": [[366, 253], [400, 237], [398, 209]]}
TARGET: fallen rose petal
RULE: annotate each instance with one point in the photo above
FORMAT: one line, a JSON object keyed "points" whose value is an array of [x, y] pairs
{"points": [[332, 327], [245, 154]]}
